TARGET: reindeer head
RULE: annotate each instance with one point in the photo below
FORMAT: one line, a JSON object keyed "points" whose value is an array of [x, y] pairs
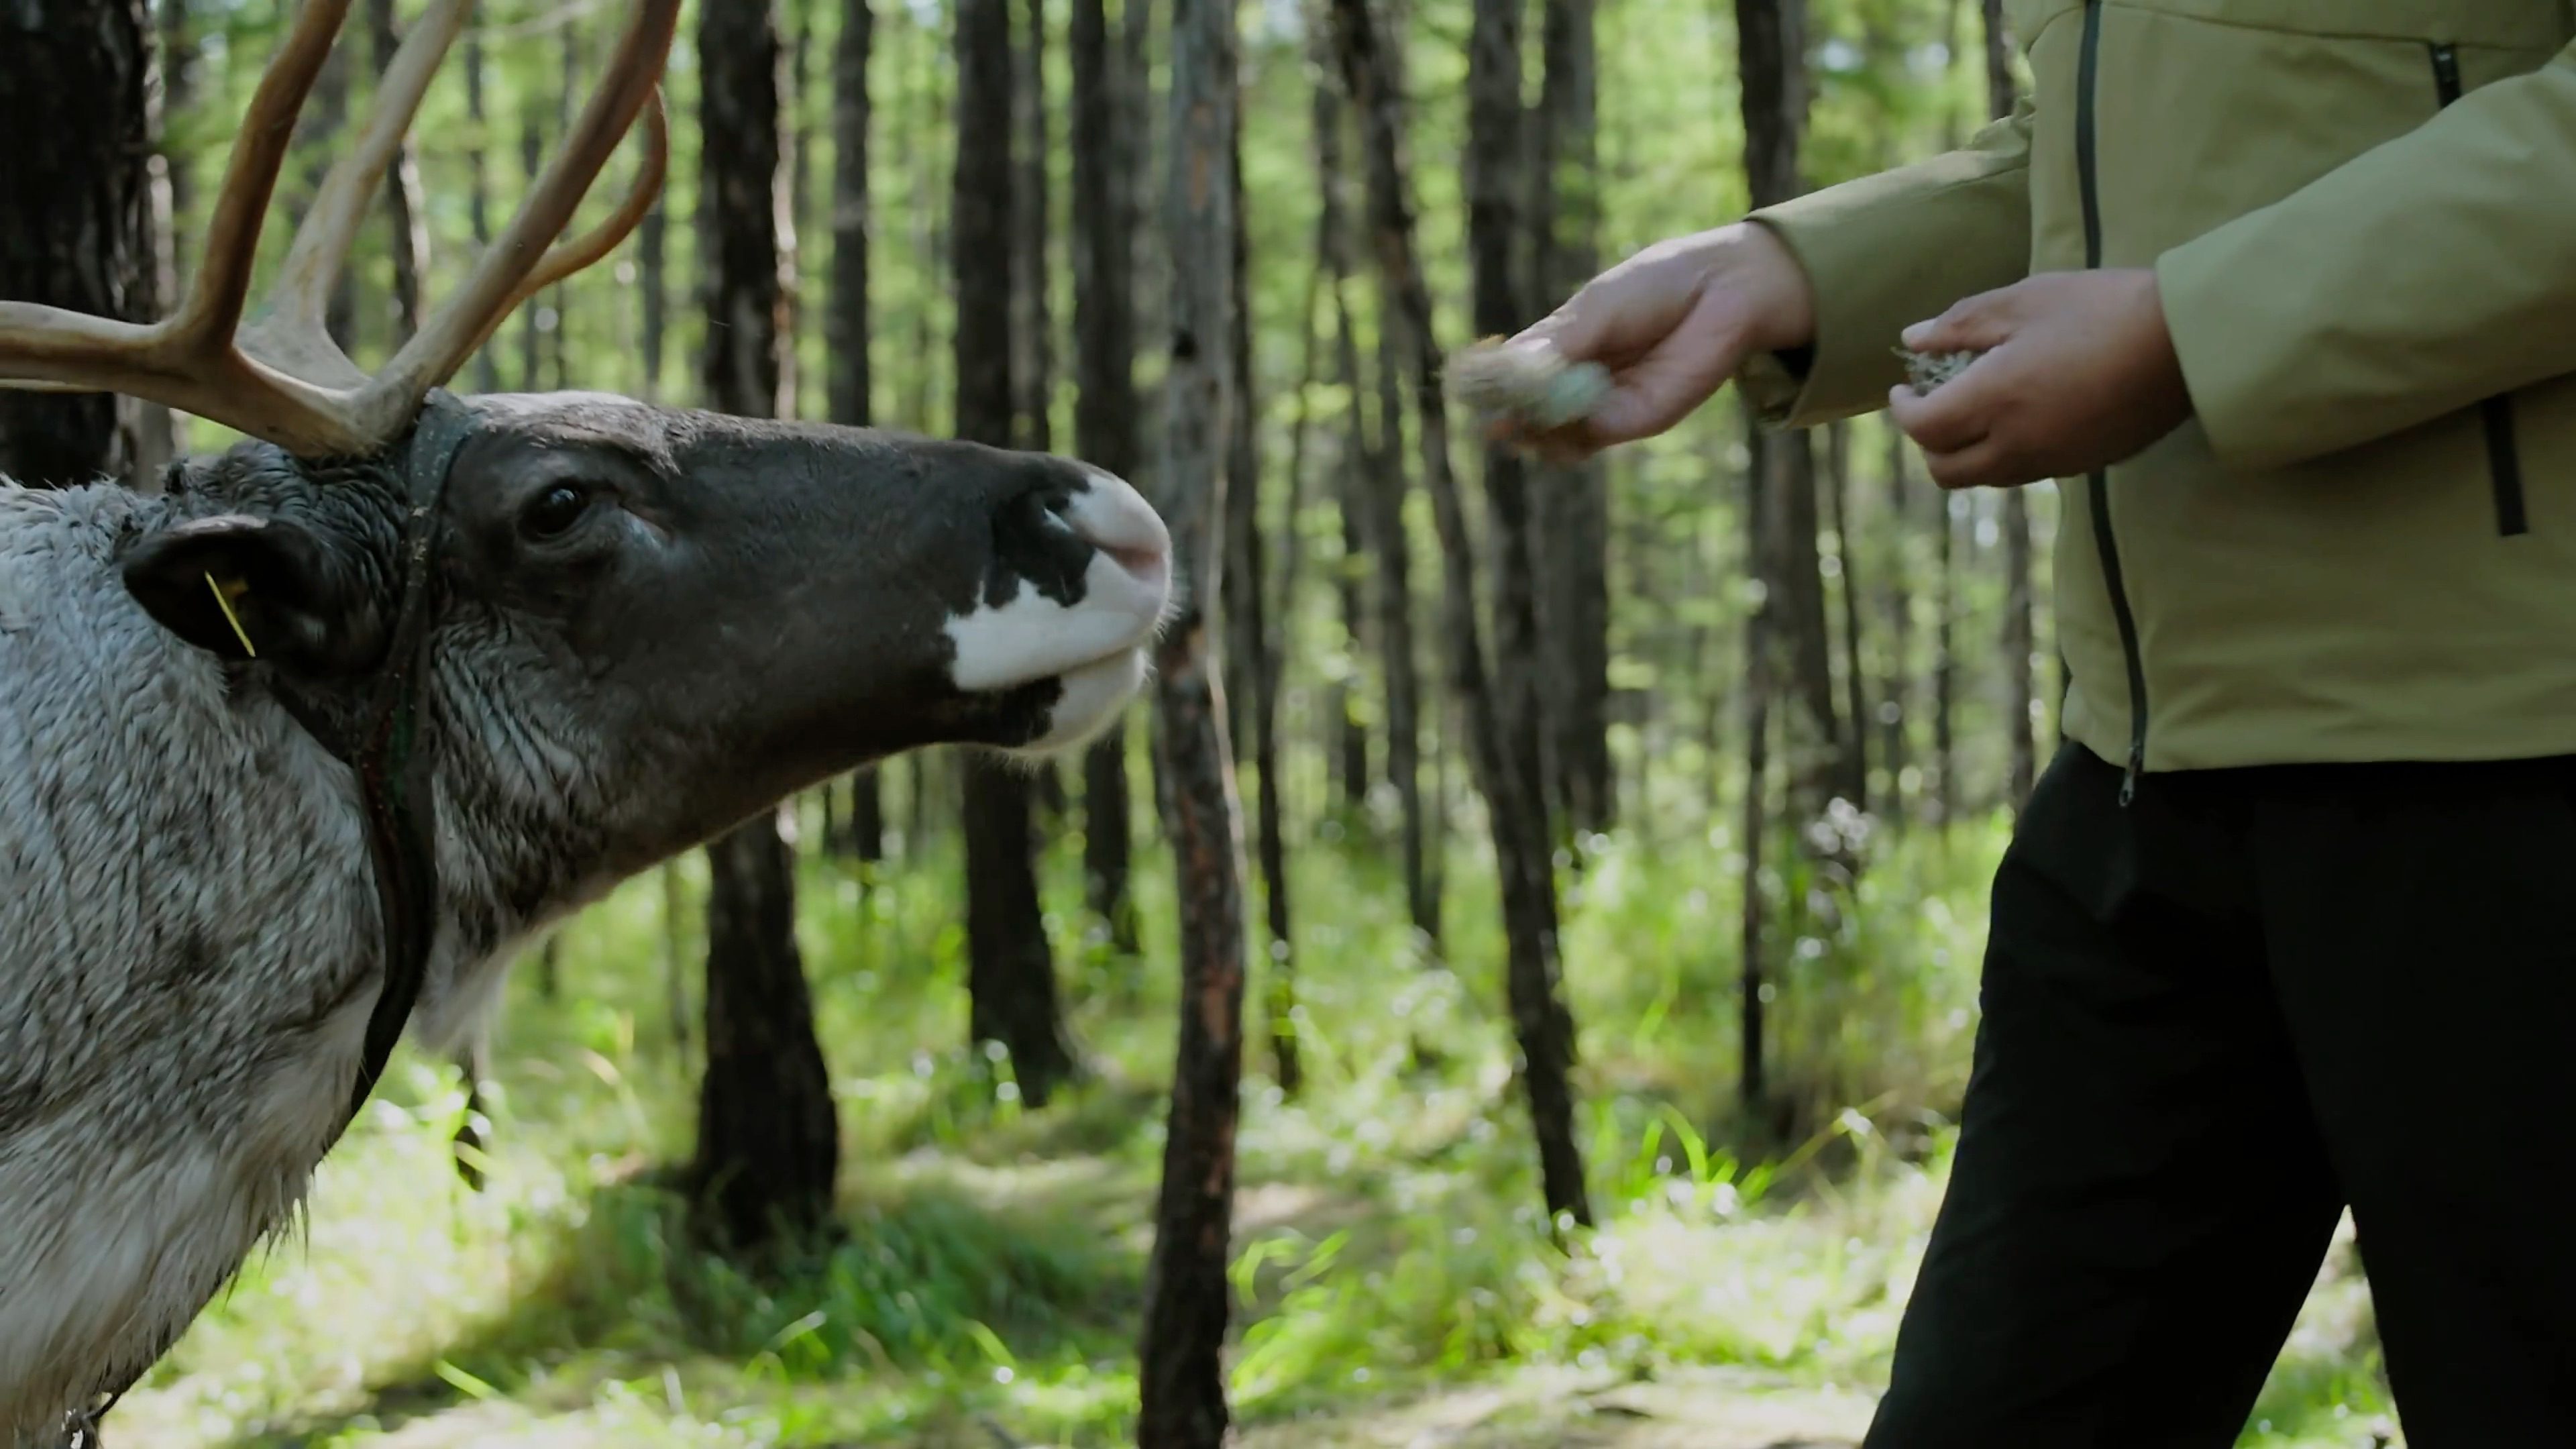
{"points": [[666, 618]]}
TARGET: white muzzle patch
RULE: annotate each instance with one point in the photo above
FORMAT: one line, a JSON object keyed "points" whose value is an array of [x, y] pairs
{"points": [[1097, 645]]}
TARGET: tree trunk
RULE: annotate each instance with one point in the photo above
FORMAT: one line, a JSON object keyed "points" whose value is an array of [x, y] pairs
{"points": [[318, 130], [768, 1143], [846, 328], [1945, 665], [652, 246], [1010, 967], [1187, 1294], [1397, 655], [768, 1136], [478, 205], [406, 227], [675, 972], [1999, 76], [1032, 327], [1280, 1002], [2020, 642], [1360, 464], [1895, 689], [532, 160], [1011, 976], [1032, 300], [1573, 504], [1498, 183], [1104, 409], [1752, 1090], [1770, 39], [1780, 511], [77, 229], [559, 297], [1251, 630], [1540, 1020], [1847, 560], [179, 56]]}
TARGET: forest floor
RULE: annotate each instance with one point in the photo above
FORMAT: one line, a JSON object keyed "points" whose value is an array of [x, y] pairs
{"points": [[1396, 1285]]}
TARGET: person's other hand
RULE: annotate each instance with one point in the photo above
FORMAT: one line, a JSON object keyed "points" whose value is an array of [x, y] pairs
{"points": [[1672, 324], [2079, 373]]}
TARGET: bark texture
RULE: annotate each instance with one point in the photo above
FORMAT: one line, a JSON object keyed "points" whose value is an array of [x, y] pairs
{"points": [[768, 1138], [1540, 1020], [77, 222], [1104, 409], [1182, 1350], [478, 205], [406, 228], [1011, 967], [2020, 634], [1572, 504], [846, 328]]}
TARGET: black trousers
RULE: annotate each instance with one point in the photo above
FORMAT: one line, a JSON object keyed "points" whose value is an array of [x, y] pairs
{"points": [[2212, 1019]]}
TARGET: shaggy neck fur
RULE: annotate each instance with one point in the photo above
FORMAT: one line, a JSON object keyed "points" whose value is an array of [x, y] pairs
{"points": [[190, 941]]}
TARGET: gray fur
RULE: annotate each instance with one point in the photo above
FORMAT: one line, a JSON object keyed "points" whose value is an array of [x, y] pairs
{"points": [[189, 932]]}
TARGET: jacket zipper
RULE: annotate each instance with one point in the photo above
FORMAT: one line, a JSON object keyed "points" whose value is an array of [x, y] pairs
{"points": [[2098, 483], [2504, 456]]}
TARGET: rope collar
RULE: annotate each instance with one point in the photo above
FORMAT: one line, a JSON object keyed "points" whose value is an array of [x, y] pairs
{"points": [[393, 782], [393, 776]]}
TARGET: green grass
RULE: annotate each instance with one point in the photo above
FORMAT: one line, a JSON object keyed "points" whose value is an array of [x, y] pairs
{"points": [[1390, 1249]]}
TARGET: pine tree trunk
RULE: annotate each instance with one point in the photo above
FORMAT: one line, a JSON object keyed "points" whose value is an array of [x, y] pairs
{"points": [[1010, 978], [180, 49], [318, 129], [1104, 409], [532, 160], [1896, 686], [559, 296], [1032, 327], [846, 327], [1780, 535], [1360, 461], [1250, 631], [1847, 558], [1770, 40], [1187, 1295], [1540, 1020], [1573, 504], [1397, 654], [77, 215], [1945, 666], [1280, 1001], [1011, 975], [1752, 1088], [406, 227], [768, 1135], [2020, 641], [1498, 240], [768, 1140], [478, 206]]}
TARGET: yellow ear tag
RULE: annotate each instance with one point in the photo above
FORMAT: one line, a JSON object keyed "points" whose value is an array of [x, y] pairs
{"points": [[224, 602]]}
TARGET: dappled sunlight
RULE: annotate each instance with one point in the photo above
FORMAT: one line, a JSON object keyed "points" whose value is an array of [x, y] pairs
{"points": [[1393, 1269]]}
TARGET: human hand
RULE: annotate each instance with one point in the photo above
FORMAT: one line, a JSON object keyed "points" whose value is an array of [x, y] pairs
{"points": [[1672, 324], [2078, 373]]}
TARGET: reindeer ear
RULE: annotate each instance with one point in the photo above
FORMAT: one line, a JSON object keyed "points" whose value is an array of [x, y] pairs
{"points": [[272, 589]]}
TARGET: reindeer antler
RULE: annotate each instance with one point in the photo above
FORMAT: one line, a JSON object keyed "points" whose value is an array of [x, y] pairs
{"points": [[279, 376]]}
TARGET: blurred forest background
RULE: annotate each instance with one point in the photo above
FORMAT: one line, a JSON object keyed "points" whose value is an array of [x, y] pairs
{"points": [[1600, 960]]}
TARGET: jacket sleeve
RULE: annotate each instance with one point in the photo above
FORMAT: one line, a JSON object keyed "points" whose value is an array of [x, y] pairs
{"points": [[1884, 252], [2432, 271]]}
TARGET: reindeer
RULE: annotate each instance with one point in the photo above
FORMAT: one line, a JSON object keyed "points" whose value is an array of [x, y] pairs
{"points": [[293, 754]]}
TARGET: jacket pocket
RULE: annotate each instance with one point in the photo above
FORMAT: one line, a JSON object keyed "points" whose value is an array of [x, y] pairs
{"points": [[2504, 456]]}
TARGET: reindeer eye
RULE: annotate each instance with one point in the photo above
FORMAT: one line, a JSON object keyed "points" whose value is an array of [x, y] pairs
{"points": [[553, 513]]}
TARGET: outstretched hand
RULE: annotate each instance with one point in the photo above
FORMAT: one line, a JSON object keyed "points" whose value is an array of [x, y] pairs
{"points": [[1672, 324], [2078, 373]]}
